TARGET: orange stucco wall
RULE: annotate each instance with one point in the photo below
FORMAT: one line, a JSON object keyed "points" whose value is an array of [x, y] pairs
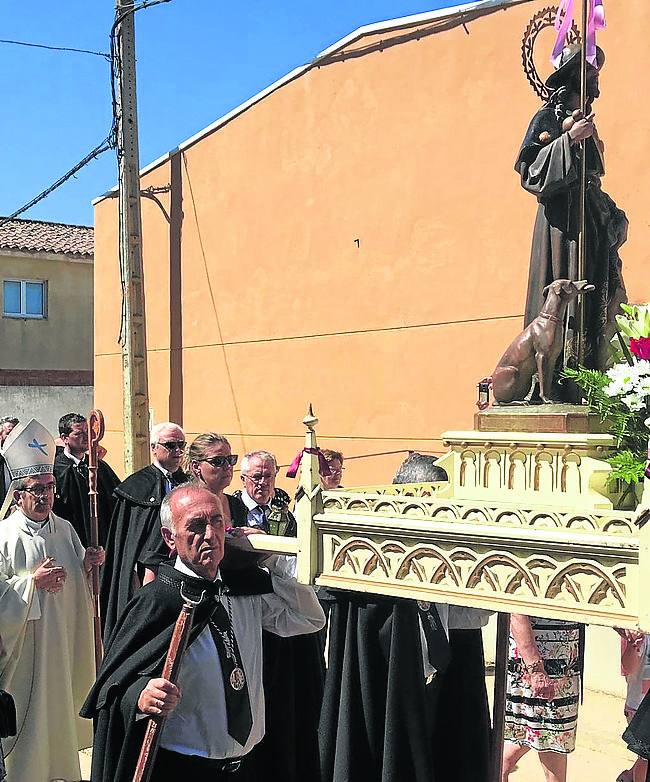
{"points": [[359, 240]]}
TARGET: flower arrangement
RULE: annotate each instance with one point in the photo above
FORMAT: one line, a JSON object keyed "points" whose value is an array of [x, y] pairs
{"points": [[621, 395]]}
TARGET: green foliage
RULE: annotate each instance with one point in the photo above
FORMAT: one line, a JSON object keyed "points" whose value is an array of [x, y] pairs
{"points": [[627, 427], [627, 467]]}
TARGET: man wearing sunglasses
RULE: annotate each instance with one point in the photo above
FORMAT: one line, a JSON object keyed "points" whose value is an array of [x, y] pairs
{"points": [[134, 536]]}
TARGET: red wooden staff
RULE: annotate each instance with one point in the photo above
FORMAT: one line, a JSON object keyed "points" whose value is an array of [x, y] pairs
{"points": [[95, 434], [177, 647]]}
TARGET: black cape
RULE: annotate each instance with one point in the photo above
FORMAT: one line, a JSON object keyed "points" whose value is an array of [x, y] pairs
{"points": [[378, 718], [462, 731], [549, 169], [71, 501], [136, 652], [293, 676], [134, 531]]}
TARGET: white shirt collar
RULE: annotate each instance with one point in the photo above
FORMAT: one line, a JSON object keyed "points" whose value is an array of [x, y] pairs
{"points": [[158, 466], [67, 453], [248, 501], [183, 568]]}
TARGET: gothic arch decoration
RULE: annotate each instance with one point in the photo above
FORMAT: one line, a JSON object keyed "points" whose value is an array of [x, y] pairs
{"points": [[572, 579]]}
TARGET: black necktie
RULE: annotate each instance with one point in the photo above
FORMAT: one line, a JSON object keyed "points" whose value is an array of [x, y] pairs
{"points": [[437, 643], [235, 687]]}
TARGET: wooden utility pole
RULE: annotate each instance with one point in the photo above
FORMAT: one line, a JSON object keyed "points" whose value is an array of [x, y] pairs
{"points": [[133, 334]]}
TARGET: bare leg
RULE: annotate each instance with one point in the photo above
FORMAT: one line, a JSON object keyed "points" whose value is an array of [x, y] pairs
{"points": [[554, 765], [512, 754]]}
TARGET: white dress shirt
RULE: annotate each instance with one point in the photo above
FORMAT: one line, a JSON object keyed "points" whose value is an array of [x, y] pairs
{"points": [[168, 476], [256, 516], [463, 618], [198, 725]]}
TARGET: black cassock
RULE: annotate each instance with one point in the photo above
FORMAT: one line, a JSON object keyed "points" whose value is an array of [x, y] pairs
{"points": [[134, 532], [378, 716], [550, 170], [136, 652], [293, 676], [72, 502]]}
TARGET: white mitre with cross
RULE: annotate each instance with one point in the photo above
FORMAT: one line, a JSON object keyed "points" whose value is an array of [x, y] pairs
{"points": [[28, 450]]}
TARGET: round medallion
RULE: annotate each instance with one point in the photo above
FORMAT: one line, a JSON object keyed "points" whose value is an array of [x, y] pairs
{"points": [[423, 605], [237, 679]]}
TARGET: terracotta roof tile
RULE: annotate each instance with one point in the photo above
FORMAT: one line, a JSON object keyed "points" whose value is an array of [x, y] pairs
{"points": [[40, 236]]}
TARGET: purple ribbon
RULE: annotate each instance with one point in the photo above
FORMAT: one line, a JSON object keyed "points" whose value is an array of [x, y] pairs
{"points": [[563, 22], [323, 466]]}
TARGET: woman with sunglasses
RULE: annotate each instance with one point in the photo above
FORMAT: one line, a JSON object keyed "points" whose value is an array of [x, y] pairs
{"points": [[209, 460]]}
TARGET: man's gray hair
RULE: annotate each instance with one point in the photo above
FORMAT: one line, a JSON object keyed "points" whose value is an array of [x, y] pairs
{"points": [[419, 468], [265, 456], [157, 429], [166, 516], [9, 419]]}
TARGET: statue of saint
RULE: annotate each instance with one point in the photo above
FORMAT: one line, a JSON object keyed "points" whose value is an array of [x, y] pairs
{"points": [[549, 164]]}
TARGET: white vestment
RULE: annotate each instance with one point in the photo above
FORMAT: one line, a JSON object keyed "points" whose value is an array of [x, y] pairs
{"points": [[46, 656]]}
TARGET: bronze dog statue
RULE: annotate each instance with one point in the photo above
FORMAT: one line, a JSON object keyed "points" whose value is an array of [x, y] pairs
{"points": [[537, 348]]}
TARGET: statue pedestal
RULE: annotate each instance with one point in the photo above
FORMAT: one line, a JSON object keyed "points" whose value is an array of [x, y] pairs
{"points": [[562, 419], [550, 455]]}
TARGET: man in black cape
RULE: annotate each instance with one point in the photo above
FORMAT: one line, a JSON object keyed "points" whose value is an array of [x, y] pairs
{"points": [[549, 166], [387, 658], [135, 526], [137, 648], [71, 474]]}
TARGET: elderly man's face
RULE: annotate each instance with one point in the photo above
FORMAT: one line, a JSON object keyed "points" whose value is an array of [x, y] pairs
{"points": [[168, 450], [198, 535], [259, 480], [37, 498]]}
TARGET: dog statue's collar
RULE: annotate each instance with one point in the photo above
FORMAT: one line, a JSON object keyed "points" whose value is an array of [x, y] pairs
{"points": [[552, 318]]}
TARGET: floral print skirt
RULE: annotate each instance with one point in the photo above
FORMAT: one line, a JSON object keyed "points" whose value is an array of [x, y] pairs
{"points": [[543, 725]]}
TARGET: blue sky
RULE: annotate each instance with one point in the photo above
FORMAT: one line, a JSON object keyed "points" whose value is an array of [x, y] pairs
{"points": [[197, 59]]}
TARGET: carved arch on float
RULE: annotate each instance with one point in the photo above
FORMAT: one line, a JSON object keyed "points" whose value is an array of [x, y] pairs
{"points": [[606, 584]]}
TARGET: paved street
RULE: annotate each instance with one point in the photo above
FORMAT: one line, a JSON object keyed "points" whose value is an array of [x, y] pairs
{"points": [[599, 757]]}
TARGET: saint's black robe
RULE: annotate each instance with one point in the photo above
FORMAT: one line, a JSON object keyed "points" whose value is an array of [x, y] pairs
{"points": [[378, 717], [136, 652], [134, 531], [293, 676], [550, 170], [71, 501]]}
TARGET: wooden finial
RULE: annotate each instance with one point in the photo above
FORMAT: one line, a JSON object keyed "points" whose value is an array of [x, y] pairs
{"points": [[310, 419]]}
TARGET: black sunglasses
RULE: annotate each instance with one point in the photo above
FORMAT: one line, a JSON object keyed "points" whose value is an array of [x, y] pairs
{"points": [[222, 461], [172, 445]]}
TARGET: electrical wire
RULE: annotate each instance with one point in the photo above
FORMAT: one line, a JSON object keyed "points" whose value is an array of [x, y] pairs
{"points": [[105, 55], [106, 144], [110, 142]]}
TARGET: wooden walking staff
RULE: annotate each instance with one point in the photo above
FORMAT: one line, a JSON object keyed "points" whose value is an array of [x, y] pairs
{"points": [[95, 434], [177, 647]]}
